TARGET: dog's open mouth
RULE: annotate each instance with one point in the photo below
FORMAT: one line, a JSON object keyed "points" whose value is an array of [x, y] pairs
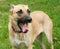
{"points": [[23, 27], [23, 24]]}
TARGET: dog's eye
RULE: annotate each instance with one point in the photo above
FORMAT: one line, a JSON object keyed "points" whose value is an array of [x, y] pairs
{"points": [[28, 11], [20, 12]]}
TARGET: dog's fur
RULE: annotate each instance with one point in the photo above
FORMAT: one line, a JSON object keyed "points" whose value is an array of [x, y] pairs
{"points": [[40, 23]]}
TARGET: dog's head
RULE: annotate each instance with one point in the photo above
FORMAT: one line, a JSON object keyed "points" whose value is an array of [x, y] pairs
{"points": [[21, 15]]}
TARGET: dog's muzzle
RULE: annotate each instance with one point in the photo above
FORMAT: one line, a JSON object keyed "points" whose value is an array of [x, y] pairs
{"points": [[23, 23], [25, 19]]}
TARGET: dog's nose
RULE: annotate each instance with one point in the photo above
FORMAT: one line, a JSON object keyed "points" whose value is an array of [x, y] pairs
{"points": [[28, 18]]}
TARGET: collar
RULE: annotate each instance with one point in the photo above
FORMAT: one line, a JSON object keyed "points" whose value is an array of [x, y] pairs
{"points": [[16, 31]]}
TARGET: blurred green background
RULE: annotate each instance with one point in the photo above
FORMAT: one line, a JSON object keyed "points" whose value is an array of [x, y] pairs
{"points": [[51, 7]]}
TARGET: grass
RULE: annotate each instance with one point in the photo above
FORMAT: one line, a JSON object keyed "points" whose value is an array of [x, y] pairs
{"points": [[51, 7]]}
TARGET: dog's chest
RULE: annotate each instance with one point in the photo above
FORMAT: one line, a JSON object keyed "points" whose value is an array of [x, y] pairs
{"points": [[19, 39]]}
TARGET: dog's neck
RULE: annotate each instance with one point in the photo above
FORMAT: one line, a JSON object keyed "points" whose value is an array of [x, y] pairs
{"points": [[19, 34]]}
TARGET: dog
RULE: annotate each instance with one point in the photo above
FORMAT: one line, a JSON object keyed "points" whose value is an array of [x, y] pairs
{"points": [[25, 26]]}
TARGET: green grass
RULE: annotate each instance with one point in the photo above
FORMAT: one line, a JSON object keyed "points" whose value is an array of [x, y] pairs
{"points": [[51, 7]]}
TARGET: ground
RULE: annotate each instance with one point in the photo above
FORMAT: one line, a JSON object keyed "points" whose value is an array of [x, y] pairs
{"points": [[51, 7]]}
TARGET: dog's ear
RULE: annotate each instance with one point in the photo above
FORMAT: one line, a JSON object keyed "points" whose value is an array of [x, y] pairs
{"points": [[11, 6], [27, 5]]}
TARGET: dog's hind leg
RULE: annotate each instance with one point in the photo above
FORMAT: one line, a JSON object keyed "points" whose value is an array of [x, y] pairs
{"points": [[39, 39], [48, 32]]}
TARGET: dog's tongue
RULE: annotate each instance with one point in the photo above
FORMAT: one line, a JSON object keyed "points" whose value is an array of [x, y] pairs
{"points": [[24, 27]]}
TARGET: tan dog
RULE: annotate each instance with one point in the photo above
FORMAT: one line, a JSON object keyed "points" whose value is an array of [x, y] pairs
{"points": [[24, 27]]}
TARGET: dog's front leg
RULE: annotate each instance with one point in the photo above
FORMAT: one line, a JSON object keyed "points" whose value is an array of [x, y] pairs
{"points": [[14, 47], [30, 46]]}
